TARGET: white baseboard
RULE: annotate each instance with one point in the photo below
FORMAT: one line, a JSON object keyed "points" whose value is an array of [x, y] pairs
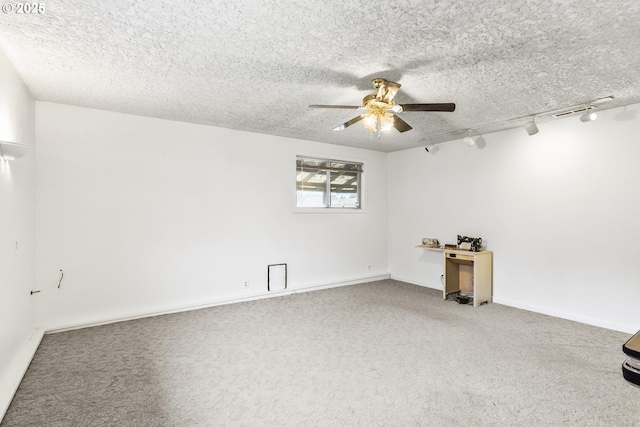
{"points": [[16, 370], [629, 329], [213, 303], [569, 316], [417, 283]]}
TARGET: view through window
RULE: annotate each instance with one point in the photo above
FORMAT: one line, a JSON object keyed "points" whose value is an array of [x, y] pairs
{"points": [[326, 183]]}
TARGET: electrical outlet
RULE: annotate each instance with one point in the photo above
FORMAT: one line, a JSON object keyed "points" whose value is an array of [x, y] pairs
{"points": [[246, 283], [16, 246], [369, 267]]}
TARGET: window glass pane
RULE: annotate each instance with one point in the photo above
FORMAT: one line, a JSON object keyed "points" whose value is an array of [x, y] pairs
{"points": [[311, 189], [345, 190]]}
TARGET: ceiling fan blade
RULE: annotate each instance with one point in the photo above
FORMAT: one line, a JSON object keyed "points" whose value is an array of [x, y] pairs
{"points": [[400, 124], [386, 89], [347, 107], [446, 107], [350, 122]]}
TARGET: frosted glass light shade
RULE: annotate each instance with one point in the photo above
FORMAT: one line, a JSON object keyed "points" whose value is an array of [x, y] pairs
{"points": [[12, 150], [531, 127], [386, 122], [370, 122]]}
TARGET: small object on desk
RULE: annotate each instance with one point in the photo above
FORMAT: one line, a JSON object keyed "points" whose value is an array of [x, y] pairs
{"points": [[430, 242], [450, 246]]}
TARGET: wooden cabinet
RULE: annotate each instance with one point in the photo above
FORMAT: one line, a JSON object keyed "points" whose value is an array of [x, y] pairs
{"points": [[468, 273]]}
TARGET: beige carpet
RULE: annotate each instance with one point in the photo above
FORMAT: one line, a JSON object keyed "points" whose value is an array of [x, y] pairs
{"points": [[384, 353]]}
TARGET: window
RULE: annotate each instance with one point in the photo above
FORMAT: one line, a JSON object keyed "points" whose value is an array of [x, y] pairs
{"points": [[325, 183]]}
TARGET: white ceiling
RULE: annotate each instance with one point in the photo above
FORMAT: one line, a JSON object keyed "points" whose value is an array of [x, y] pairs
{"points": [[257, 65]]}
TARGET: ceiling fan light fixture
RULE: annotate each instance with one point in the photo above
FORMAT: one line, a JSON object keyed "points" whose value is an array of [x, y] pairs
{"points": [[386, 122], [370, 122], [373, 120], [382, 108], [531, 127]]}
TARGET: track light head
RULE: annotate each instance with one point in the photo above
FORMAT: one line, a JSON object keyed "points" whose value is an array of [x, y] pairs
{"points": [[531, 127], [469, 141], [589, 115], [431, 148]]}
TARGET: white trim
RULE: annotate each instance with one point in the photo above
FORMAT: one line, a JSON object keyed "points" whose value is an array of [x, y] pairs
{"points": [[324, 211], [568, 316], [629, 329], [213, 303], [340, 283], [363, 185], [414, 282], [16, 370]]}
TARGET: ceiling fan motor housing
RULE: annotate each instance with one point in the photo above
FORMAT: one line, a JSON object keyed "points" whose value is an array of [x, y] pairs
{"points": [[377, 83]]}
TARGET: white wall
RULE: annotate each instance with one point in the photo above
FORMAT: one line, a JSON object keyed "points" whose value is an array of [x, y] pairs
{"points": [[560, 210], [145, 215], [17, 221]]}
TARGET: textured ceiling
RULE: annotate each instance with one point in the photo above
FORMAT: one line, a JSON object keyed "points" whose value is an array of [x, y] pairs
{"points": [[257, 65]]}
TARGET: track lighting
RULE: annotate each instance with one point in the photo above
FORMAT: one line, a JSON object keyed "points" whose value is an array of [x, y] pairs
{"points": [[12, 150], [589, 115], [531, 127], [469, 139], [431, 148]]}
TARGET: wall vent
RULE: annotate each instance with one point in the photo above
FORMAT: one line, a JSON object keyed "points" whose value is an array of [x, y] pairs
{"points": [[276, 277]]}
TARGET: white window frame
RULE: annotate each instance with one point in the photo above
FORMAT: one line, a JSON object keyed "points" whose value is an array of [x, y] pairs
{"points": [[329, 209]]}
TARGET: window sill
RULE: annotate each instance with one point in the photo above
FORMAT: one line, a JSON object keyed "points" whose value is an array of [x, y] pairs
{"points": [[323, 211]]}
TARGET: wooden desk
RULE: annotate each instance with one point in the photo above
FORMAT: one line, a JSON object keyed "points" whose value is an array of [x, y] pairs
{"points": [[467, 272]]}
